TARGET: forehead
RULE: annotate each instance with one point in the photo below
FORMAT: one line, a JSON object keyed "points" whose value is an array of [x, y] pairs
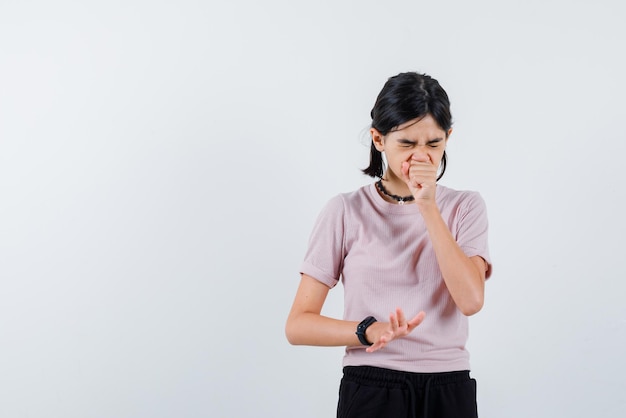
{"points": [[423, 126]]}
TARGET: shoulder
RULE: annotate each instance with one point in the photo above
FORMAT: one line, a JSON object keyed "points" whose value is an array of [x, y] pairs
{"points": [[450, 194], [348, 206], [341, 203], [468, 199], [349, 200]]}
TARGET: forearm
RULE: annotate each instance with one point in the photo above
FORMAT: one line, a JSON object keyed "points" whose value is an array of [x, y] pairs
{"points": [[314, 329], [463, 278], [308, 328]]}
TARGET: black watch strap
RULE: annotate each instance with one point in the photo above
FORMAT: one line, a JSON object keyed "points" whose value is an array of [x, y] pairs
{"points": [[360, 329]]}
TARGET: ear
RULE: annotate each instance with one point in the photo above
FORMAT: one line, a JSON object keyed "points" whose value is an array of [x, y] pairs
{"points": [[378, 139], [448, 135]]}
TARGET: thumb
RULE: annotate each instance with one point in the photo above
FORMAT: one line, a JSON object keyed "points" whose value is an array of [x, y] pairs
{"points": [[405, 171], [417, 319]]}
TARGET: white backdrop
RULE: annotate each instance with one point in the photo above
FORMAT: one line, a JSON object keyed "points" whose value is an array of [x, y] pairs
{"points": [[162, 164]]}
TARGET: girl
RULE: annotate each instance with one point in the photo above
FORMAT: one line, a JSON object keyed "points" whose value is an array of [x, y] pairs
{"points": [[403, 244]]}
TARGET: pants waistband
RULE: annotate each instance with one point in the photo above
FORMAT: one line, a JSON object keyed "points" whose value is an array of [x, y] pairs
{"points": [[395, 378]]}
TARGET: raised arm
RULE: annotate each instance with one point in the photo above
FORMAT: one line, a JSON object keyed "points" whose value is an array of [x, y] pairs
{"points": [[306, 326], [464, 276]]}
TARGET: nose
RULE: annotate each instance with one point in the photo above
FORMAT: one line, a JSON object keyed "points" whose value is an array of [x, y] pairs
{"points": [[421, 156]]}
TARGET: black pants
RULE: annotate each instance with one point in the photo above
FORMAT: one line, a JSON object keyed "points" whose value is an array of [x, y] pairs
{"points": [[368, 392]]}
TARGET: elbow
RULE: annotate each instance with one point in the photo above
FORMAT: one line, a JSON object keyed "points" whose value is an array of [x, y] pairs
{"points": [[290, 337], [291, 332], [472, 300], [472, 307]]}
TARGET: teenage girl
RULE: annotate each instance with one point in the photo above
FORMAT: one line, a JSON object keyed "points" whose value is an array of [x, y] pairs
{"points": [[413, 258]]}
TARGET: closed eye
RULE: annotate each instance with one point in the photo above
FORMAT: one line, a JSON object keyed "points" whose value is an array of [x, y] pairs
{"points": [[406, 143], [434, 143]]}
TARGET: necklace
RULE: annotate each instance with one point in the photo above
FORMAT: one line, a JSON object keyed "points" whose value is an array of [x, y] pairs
{"points": [[401, 200]]}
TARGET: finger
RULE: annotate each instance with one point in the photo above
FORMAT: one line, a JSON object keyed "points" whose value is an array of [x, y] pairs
{"points": [[405, 170], [416, 320], [393, 322], [415, 179], [374, 347], [421, 170], [377, 345], [425, 172], [423, 164], [401, 318]]}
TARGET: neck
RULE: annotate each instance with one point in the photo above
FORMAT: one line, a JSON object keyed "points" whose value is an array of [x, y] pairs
{"points": [[392, 197], [394, 185]]}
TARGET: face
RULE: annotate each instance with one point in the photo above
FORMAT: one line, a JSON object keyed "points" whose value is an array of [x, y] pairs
{"points": [[421, 139]]}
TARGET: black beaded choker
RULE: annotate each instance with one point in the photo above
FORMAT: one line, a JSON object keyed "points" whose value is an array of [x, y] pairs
{"points": [[401, 200]]}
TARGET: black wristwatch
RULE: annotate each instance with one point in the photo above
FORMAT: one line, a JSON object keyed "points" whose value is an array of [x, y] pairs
{"points": [[360, 329]]}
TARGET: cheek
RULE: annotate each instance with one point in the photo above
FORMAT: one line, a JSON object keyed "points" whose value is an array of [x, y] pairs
{"points": [[398, 158], [437, 155], [404, 154]]}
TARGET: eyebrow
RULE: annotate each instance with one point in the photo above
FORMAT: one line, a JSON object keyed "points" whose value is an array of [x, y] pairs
{"points": [[411, 142]]}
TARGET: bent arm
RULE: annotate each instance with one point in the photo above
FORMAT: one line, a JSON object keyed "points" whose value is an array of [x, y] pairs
{"points": [[464, 276], [306, 326]]}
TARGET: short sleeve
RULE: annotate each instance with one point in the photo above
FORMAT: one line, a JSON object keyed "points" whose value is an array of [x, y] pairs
{"points": [[324, 257], [472, 229]]}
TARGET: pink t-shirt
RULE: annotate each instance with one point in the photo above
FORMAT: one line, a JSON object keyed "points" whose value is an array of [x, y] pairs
{"points": [[385, 259]]}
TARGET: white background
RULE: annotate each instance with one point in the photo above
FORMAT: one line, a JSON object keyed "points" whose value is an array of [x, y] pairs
{"points": [[162, 164]]}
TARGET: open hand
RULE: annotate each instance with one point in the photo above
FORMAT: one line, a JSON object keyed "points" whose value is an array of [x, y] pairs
{"points": [[397, 327]]}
